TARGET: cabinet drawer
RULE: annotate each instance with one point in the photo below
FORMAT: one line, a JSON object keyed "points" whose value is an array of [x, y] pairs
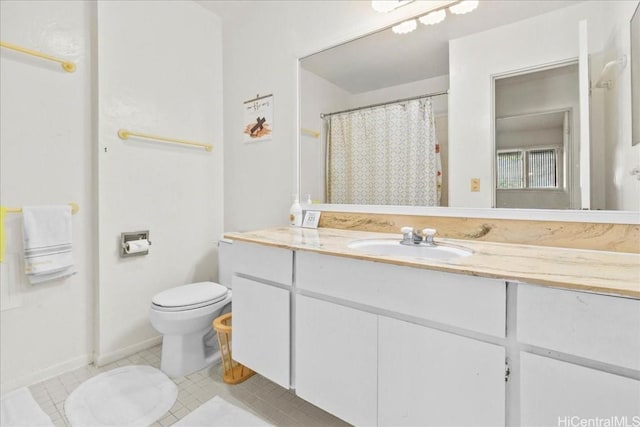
{"points": [[264, 262], [598, 327], [473, 303]]}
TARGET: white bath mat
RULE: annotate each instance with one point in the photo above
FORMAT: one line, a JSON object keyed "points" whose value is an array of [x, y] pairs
{"points": [[127, 396], [18, 408], [217, 412]]}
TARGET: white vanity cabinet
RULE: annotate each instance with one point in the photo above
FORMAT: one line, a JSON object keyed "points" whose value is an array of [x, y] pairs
{"points": [[389, 345], [261, 285], [579, 352], [378, 344]]}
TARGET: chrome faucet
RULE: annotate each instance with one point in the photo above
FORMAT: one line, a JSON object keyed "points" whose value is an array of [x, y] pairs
{"points": [[412, 236]]}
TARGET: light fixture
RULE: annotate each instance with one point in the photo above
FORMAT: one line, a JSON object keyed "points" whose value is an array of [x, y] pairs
{"points": [[433, 17], [405, 27], [384, 6], [463, 7]]}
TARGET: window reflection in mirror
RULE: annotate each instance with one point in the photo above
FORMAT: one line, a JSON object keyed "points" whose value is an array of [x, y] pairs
{"points": [[534, 139]]}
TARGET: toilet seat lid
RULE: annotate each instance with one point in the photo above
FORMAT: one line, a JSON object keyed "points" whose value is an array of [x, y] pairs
{"points": [[200, 293]]}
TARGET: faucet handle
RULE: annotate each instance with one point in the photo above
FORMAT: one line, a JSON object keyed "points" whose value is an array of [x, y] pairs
{"points": [[407, 234], [428, 232]]}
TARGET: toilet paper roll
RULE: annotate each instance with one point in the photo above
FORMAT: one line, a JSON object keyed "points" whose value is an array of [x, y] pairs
{"points": [[136, 246]]}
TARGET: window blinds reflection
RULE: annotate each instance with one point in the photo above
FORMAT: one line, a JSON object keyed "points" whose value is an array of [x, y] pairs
{"points": [[535, 168], [510, 167], [542, 169]]}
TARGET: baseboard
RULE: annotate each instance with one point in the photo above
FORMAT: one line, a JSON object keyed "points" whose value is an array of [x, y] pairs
{"points": [[45, 374], [105, 359]]}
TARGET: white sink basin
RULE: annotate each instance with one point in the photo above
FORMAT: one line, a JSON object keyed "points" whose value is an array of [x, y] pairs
{"points": [[392, 247]]}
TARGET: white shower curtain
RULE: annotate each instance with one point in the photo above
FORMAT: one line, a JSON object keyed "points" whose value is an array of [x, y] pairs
{"points": [[385, 155]]}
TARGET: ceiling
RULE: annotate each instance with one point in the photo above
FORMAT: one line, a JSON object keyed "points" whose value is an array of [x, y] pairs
{"points": [[421, 54]]}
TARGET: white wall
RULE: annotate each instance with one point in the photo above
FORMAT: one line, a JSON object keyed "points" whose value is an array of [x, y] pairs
{"points": [[623, 191], [160, 72], [545, 39], [407, 90], [46, 158]]}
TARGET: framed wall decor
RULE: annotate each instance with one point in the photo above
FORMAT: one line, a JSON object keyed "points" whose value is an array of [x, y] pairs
{"points": [[258, 118]]}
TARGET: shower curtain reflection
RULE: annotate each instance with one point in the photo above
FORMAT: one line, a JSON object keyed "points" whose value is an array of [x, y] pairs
{"points": [[387, 155]]}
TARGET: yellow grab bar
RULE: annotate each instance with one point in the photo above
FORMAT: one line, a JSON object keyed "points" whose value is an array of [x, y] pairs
{"points": [[74, 209], [69, 67], [125, 134], [313, 133]]}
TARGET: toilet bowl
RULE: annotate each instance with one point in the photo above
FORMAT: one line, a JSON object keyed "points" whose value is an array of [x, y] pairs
{"points": [[183, 315]]}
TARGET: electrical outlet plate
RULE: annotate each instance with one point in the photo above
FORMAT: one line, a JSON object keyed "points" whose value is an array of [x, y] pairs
{"points": [[475, 184]]}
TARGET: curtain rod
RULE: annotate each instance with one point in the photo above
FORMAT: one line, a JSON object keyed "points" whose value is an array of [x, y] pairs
{"points": [[428, 95], [257, 98]]}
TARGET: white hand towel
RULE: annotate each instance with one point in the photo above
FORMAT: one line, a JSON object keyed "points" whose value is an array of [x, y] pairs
{"points": [[47, 242]]}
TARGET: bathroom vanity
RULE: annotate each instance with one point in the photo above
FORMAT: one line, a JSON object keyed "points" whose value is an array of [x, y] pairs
{"points": [[511, 335]]}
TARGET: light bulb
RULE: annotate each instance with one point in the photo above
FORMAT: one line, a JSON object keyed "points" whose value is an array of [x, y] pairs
{"points": [[464, 7], [405, 27], [433, 17], [384, 6]]}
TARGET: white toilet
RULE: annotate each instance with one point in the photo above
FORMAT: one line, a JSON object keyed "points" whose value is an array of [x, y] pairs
{"points": [[183, 315]]}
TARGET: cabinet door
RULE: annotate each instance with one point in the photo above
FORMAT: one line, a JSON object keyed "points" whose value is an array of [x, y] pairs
{"points": [[260, 337], [557, 393], [336, 359], [432, 378]]}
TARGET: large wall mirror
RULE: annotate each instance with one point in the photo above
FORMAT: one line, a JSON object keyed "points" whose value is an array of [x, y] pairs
{"points": [[431, 117]]}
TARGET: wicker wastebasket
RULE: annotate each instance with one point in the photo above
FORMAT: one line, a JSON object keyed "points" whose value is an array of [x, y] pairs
{"points": [[233, 372]]}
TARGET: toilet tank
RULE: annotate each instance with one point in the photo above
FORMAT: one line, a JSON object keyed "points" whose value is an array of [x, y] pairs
{"points": [[225, 262]]}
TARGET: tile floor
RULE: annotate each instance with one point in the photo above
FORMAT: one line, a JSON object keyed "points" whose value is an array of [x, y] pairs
{"points": [[258, 395]]}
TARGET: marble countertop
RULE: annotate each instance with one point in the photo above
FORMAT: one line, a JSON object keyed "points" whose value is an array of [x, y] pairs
{"points": [[612, 273]]}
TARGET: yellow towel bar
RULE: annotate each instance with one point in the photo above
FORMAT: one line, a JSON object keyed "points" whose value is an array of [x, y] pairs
{"points": [[69, 67], [125, 134], [74, 209], [313, 133]]}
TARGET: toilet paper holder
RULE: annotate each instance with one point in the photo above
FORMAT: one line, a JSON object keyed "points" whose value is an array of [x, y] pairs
{"points": [[129, 236]]}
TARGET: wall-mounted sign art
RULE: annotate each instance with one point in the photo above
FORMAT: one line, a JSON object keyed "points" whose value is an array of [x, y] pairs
{"points": [[258, 118]]}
